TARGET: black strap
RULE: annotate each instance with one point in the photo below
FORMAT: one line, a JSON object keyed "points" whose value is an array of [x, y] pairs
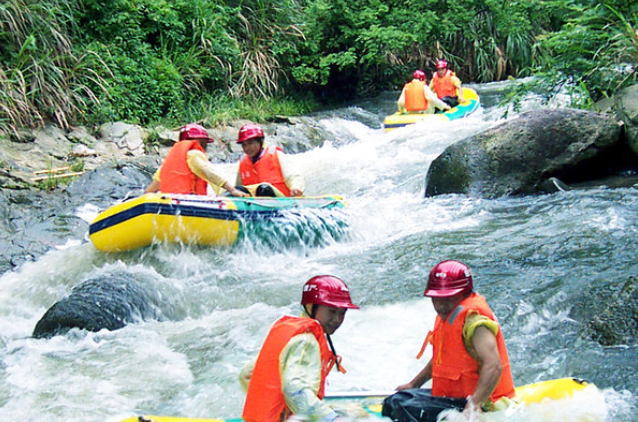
{"points": [[334, 352]]}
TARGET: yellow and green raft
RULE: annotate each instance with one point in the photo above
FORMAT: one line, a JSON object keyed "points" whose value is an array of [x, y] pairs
{"points": [[528, 394], [192, 219], [471, 104]]}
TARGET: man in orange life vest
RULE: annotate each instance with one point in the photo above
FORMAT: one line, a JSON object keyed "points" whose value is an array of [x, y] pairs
{"points": [[418, 97], [265, 171], [447, 85], [469, 368], [289, 375], [186, 168]]}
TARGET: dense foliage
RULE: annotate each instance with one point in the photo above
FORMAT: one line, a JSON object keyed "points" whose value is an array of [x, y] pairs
{"points": [[73, 61], [596, 49]]}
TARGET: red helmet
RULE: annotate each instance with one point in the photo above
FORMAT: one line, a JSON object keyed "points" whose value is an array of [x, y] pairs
{"points": [[419, 74], [249, 131], [327, 290], [194, 131], [449, 278], [441, 64]]}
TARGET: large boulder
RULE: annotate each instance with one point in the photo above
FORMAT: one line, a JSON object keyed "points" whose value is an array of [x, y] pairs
{"points": [[518, 156], [615, 310], [105, 302]]}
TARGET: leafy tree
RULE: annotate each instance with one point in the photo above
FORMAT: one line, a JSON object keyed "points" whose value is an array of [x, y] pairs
{"points": [[373, 44]]}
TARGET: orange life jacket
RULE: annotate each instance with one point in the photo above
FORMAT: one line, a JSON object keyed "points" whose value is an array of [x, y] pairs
{"points": [[414, 97], [444, 86], [454, 372], [265, 398], [267, 169], [176, 176]]}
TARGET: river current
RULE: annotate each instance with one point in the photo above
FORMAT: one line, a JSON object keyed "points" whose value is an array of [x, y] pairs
{"points": [[532, 257]]}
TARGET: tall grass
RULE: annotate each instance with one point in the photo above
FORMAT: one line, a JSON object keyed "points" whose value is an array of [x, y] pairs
{"points": [[265, 27], [73, 61], [624, 46], [42, 78], [485, 50]]}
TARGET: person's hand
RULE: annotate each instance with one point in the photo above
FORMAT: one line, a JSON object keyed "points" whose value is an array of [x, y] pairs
{"points": [[237, 192], [447, 107], [296, 192], [406, 386], [471, 409]]}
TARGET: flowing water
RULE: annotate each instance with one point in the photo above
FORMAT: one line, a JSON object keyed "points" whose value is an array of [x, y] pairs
{"points": [[532, 257]]}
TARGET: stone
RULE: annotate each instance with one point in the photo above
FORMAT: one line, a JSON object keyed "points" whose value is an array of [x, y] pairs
{"points": [[518, 156]]}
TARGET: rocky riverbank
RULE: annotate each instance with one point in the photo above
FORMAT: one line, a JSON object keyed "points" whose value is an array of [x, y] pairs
{"points": [[47, 174]]}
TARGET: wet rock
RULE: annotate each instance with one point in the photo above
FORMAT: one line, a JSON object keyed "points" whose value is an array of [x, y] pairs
{"points": [[518, 156], [113, 182], [625, 105], [33, 222], [615, 310], [106, 302]]}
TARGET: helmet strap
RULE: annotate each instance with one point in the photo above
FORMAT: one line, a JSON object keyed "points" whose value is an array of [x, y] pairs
{"points": [[310, 310], [260, 153], [337, 357]]}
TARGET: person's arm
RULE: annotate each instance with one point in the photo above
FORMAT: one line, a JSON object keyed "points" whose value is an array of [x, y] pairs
{"points": [[433, 99], [401, 102], [294, 180], [154, 186], [246, 374], [422, 377], [238, 178], [459, 88], [490, 367], [199, 164], [300, 369]]}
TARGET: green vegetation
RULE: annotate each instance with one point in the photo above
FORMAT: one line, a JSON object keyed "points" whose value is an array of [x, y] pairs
{"points": [[595, 52], [151, 61]]}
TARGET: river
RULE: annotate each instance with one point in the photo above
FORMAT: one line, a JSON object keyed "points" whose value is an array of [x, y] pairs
{"points": [[533, 258]]}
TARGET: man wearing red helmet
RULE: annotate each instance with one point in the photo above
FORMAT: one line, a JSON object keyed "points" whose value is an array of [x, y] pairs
{"points": [[417, 97], [447, 85], [469, 368], [186, 168], [265, 170], [289, 375]]}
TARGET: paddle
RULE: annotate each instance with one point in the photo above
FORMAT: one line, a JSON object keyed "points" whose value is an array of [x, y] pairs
{"points": [[357, 394]]}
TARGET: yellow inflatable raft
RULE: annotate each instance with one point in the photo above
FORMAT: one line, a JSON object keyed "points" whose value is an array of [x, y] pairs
{"points": [[191, 219], [471, 104], [533, 393]]}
